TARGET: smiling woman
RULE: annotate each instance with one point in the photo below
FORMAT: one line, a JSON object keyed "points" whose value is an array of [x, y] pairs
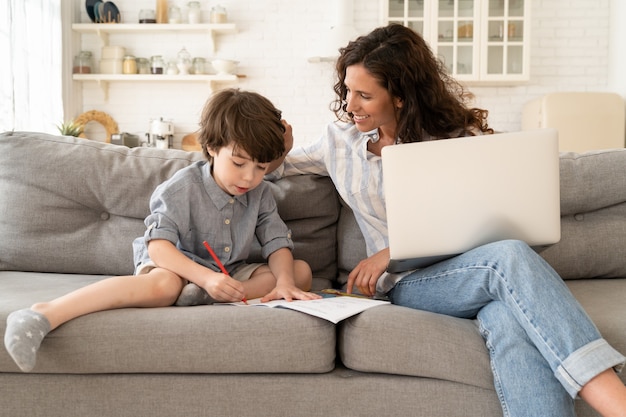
{"points": [[31, 87]]}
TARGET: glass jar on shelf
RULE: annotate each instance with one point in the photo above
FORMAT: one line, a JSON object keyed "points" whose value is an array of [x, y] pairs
{"points": [[147, 16], [199, 65], [129, 66], [156, 64], [82, 63], [218, 14], [174, 15], [171, 68], [183, 61], [195, 14], [143, 66]]}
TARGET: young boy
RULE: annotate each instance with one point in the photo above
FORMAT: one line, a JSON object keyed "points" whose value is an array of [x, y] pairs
{"points": [[222, 201]]}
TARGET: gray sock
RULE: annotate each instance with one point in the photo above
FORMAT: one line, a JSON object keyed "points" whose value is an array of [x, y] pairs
{"points": [[25, 331], [192, 295]]}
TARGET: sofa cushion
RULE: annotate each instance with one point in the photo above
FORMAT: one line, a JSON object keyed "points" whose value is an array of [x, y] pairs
{"points": [[87, 200], [203, 339], [310, 206], [592, 245], [603, 300], [351, 249], [592, 180], [403, 341], [593, 216], [76, 205]]}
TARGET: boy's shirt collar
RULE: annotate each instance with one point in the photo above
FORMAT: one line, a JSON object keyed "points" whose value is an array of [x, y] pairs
{"points": [[219, 197]]}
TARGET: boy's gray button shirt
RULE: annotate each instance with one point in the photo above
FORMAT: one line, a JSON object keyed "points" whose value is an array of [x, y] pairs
{"points": [[190, 208]]}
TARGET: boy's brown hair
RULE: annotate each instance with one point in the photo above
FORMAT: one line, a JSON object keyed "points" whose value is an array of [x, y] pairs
{"points": [[244, 119]]}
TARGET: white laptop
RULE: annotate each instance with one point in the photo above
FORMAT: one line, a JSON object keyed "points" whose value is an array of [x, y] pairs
{"points": [[445, 197]]}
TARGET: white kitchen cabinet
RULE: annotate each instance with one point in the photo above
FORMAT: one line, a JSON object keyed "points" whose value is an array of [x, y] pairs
{"points": [[105, 30], [479, 41]]}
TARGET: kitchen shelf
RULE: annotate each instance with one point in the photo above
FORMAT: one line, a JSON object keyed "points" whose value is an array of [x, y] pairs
{"points": [[104, 79], [156, 77], [103, 30]]}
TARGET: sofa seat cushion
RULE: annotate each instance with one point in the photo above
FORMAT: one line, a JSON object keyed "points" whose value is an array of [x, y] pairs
{"points": [[202, 339], [603, 300], [403, 341]]}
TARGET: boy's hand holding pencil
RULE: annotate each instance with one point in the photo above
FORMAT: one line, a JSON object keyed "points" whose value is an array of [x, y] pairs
{"points": [[220, 264]]}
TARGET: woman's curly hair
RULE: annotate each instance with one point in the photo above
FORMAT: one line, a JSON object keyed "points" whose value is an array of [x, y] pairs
{"points": [[433, 102]]}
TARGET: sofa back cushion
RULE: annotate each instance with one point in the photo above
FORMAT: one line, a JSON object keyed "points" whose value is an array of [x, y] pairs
{"points": [[593, 216], [72, 205], [309, 205]]}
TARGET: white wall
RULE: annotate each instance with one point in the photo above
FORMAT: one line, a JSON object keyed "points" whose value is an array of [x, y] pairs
{"points": [[570, 47], [617, 46]]}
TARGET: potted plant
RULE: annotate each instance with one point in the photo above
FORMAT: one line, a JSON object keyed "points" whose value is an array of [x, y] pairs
{"points": [[70, 128]]}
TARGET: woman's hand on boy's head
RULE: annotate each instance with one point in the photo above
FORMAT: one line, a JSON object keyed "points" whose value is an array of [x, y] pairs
{"points": [[289, 293], [288, 136]]}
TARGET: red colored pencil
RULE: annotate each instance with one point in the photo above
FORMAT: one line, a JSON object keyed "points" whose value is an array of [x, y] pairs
{"points": [[220, 264]]}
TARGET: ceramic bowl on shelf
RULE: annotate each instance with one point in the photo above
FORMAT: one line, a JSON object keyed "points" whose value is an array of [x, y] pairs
{"points": [[224, 66]]}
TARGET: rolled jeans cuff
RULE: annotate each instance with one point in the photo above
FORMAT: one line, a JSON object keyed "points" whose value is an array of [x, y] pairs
{"points": [[586, 363]]}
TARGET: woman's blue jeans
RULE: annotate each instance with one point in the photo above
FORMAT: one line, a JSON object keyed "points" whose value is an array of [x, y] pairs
{"points": [[543, 346]]}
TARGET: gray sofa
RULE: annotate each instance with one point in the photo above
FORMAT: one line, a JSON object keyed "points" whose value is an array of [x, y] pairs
{"points": [[70, 208]]}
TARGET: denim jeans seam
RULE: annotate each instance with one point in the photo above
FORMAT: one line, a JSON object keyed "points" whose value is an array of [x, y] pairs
{"points": [[405, 282], [496, 377], [523, 312]]}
